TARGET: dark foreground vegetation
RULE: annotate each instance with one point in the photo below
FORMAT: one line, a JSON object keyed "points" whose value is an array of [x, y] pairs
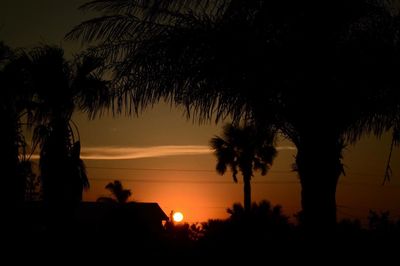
{"points": [[261, 236]]}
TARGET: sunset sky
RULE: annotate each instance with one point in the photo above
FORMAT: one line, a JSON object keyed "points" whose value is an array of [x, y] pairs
{"points": [[163, 157]]}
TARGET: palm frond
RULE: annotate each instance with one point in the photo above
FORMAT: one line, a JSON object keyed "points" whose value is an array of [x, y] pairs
{"points": [[118, 191], [244, 149], [259, 165], [137, 62], [92, 93], [221, 167], [153, 8], [395, 141], [265, 60], [114, 6], [116, 27], [234, 171]]}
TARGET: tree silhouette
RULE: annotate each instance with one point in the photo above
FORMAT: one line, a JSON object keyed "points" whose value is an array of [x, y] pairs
{"points": [[265, 225], [322, 73], [60, 88], [120, 194], [244, 149], [32, 190], [13, 104], [263, 213]]}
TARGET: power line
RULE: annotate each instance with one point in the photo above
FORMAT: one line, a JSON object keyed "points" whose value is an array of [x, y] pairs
{"points": [[366, 174], [149, 169], [171, 169], [207, 170], [187, 181], [279, 172], [346, 183], [191, 181]]}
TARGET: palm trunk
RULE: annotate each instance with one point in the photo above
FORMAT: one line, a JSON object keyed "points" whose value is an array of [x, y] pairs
{"points": [[54, 164], [12, 181], [319, 167], [55, 175], [247, 193]]}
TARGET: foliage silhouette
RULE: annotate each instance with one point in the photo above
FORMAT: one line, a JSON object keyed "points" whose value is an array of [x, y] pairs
{"points": [[323, 78], [119, 193], [265, 219], [13, 104], [382, 223], [33, 189], [250, 233], [59, 88], [245, 149]]}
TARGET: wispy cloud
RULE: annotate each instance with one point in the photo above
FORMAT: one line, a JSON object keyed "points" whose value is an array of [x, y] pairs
{"points": [[125, 153], [129, 153], [286, 148]]}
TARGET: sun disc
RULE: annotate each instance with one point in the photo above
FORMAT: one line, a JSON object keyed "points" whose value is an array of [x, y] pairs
{"points": [[178, 217]]}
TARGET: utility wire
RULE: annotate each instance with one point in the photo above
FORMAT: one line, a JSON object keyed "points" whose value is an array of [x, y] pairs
{"points": [[190, 181], [279, 172], [207, 170], [170, 169]]}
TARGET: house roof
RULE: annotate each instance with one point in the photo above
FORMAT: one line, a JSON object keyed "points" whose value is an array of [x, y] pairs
{"points": [[150, 209], [139, 210], [143, 210]]}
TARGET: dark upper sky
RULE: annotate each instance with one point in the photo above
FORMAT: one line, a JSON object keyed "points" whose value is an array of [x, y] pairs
{"points": [[25, 22]]}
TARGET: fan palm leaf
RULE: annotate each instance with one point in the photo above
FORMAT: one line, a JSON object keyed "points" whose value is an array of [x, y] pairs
{"points": [[244, 149]]}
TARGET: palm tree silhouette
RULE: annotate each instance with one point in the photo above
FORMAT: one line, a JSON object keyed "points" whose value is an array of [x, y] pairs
{"points": [[61, 87], [119, 193], [244, 149], [324, 79], [13, 104]]}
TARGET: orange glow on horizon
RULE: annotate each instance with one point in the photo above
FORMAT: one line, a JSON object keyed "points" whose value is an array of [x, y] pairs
{"points": [[204, 194]]}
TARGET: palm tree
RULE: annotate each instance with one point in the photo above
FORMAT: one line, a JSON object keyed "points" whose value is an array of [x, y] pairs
{"points": [[13, 105], [60, 88], [246, 150], [119, 193], [324, 79]]}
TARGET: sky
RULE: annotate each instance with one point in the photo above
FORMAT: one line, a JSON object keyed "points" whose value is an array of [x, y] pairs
{"points": [[163, 157]]}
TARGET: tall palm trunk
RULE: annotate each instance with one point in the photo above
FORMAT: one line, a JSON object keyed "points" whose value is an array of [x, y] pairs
{"points": [[247, 193], [12, 181], [319, 167], [54, 156], [55, 175]]}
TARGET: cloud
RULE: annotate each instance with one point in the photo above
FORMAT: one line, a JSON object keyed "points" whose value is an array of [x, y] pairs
{"points": [[286, 148], [129, 153], [125, 153]]}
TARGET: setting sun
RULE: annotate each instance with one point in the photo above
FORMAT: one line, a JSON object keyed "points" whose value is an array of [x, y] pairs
{"points": [[178, 217]]}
